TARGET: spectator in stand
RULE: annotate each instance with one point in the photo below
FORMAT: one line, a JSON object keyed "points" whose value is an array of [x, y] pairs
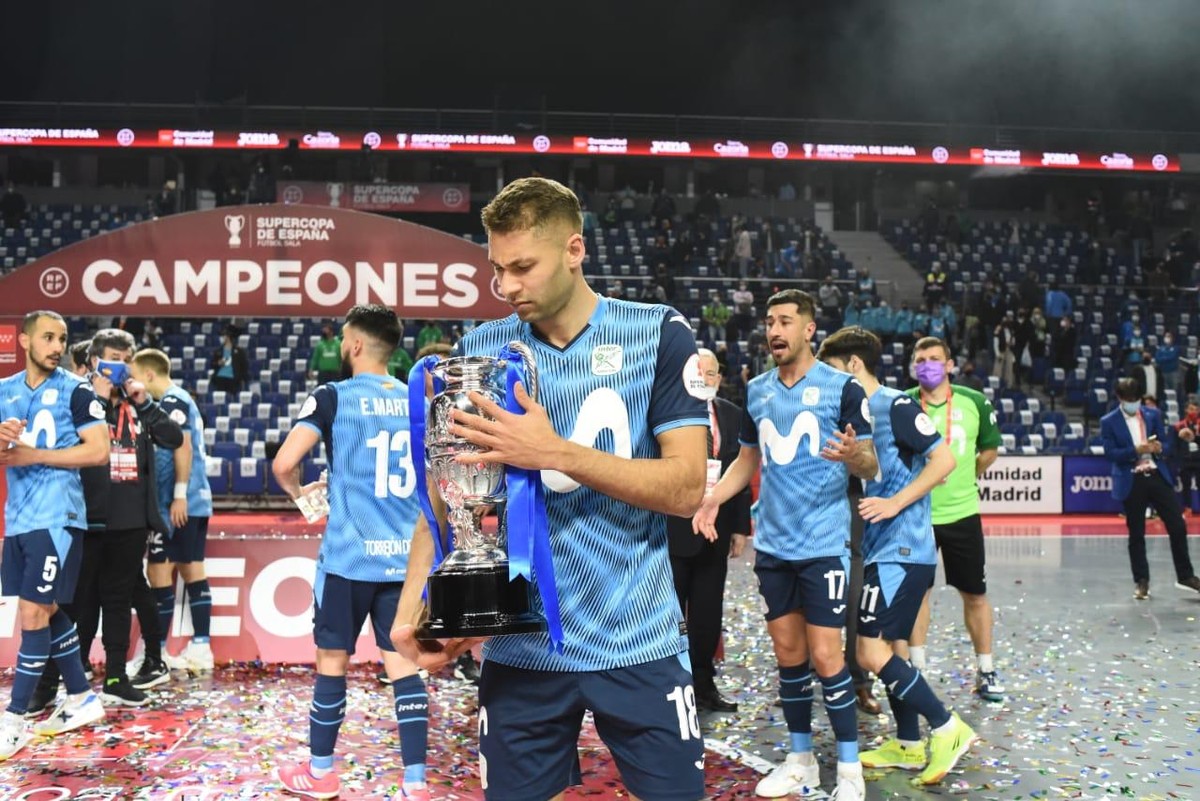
{"points": [[1003, 345], [261, 188], [1058, 305], [590, 222], [765, 250], [1166, 356], [12, 207], [715, 315], [950, 318], [743, 310], [885, 321], [1159, 282], [853, 313], [1029, 291], [616, 290], [1064, 344], [1149, 379], [663, 277], [325, 364], [967, 377], [612, 213], [1022, 336], [866, 314], [830, 298], [866, 284], [401, 362], [1037, 345], [935, 286], [791, 261], [229, 365], [707, 206], [652, 292], [787, 191], [1187, 430], [935, 325], [1014, 242], [1132, 307], [663, 207], [904, 322], [743, 251], [430, 333], [1135, 346], [166, 202]]}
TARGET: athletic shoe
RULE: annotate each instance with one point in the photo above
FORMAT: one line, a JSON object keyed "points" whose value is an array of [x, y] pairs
{"points": [[134, 666], [894, 754], [1141, 591], [988, 686], [174, 662], [71, 713], [119, 692], [199, 657], [152, 673], [946, 749], [850, 786], [793, 776], [297, 779], [416, 792], [383, 677], [465, 669], [14, 734], [1189, 584], [43, 699]]}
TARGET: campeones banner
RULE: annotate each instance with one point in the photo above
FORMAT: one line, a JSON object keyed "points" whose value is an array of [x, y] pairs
{"points": [[453, 198], [403, 141], [268, 261]]}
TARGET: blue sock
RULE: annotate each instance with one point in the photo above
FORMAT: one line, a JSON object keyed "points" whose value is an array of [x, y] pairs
{"points": [[200, 602], [412, 716], [795, 693], [164, 599], [31, 658], [911, 688], [839, 705], [64, 650], [908, 722], [325, 718]]}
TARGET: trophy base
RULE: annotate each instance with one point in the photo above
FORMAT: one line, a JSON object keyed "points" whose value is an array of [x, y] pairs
{"points": [[479, 603]]}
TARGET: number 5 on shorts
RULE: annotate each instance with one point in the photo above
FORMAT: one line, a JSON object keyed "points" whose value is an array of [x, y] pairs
{"points": [[685, 708], [48, 574]]}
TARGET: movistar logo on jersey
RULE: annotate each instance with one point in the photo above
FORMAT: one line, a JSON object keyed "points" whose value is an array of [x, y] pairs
{"points": [[603, 409], [781, 448]]}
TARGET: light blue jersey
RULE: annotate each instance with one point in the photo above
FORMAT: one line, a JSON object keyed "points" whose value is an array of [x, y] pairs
{"points": [[904, 438], [804, 512], [39, 496], [372, 504], [179, 406], [625, 379]]}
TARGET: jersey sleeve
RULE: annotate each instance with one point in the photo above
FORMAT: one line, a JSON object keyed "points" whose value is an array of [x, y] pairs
{"points": [[913, 429], [676, 399], [86, 409], [989, 431], [318, 410], [176, 409], [748, 433], [854, 410]]}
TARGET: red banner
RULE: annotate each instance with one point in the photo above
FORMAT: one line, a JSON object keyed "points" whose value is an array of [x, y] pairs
{"points": [[261, 261], [378, 197]]}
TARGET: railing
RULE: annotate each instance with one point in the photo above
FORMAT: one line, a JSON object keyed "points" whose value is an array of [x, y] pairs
{"points": [[592, 123]]}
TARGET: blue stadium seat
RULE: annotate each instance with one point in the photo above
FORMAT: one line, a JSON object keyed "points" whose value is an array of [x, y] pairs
{"points": [[249, 476]]}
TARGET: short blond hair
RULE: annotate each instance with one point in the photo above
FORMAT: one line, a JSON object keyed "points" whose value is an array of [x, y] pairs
{"points": [[532, 204], [153, 359]]}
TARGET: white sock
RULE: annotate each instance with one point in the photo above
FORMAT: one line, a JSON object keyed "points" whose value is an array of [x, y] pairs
{"points": [[985, 663], [945, 727], [916, 655], [79, 698], [318, 773]]}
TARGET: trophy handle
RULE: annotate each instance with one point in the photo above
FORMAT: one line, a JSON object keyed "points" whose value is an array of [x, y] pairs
{"points": [[531, 374]]}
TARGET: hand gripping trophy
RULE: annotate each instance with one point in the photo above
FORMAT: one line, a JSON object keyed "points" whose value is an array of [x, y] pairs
{"points": [[480, 585]]}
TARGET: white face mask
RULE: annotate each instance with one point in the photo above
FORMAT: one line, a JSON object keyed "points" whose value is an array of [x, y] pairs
{"points": [[706, 393]]}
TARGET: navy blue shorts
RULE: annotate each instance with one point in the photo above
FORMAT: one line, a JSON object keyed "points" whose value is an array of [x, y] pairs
{"points": [[815, 587], [184, 546], [529, 723], [42, 566], [891, 598], [342, 605]]}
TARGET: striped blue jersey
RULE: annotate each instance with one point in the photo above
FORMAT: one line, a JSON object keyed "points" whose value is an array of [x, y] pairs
{"points": [[804, 512], [39, 496], [626, 378], [179, 406], [372, 504], [904, 437]]}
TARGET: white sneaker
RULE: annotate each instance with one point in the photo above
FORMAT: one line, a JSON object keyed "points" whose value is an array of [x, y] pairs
{"points": [[71, 714], [850, 786], [15, 734], [174, 662], [134, 666], [199, 657], [799, 773]]}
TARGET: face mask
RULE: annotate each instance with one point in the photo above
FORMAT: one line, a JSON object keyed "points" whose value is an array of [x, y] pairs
{"points": [[706, 393], [931, 374], [1130, 407]]}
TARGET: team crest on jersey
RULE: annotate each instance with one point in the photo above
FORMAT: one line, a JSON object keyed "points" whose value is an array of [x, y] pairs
{"points": [[96, 409], [810, 396], [925, 425], [693, 378], [607, 359], [178, 417], [50, 397]]}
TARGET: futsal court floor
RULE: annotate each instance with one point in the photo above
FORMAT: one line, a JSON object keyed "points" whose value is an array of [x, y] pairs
{"points": [[1103, 701]]}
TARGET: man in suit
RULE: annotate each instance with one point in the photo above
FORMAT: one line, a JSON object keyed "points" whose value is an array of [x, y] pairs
{"points": [[699, 566], [1134, 439]]}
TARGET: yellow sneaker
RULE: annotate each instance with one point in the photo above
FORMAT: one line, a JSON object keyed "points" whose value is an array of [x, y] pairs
{"points": [[946, 749], [894, 754]]}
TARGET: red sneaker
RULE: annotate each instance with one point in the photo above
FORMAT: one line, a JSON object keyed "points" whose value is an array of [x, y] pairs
{"points": [[297, 779]]}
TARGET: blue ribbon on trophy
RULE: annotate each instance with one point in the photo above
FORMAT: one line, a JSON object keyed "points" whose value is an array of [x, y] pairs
{"points": [[417, 408]]}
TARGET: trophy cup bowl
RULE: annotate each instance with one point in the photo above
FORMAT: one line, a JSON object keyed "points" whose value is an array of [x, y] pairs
{"points": [[470, 594]]}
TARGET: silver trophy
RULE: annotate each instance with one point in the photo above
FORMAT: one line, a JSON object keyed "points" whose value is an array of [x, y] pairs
{"points": [[470, 594]]}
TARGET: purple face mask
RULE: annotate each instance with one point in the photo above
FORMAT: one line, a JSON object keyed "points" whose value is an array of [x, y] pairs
{"points": [[931, 374]]}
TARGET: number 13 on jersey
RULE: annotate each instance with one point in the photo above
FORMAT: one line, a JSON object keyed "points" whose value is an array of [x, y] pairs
{"points": [[397, 485]]}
